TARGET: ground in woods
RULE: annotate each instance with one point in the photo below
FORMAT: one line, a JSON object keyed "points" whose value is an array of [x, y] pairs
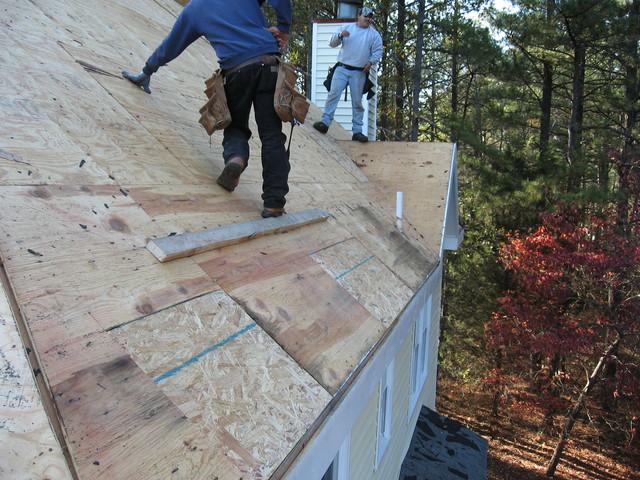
{"points": [[519, 451]]}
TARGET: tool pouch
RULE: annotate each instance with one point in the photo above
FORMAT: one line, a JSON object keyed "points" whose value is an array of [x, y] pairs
{"points": [[215, 115], [289, 104]]}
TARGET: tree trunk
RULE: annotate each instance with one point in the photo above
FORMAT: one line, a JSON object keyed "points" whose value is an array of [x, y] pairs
{"points": [[383, 86], [574, 148], [454, 70], [432, 108], [400, 46], [417, 72], [545, 117], [573, 413], [632, 90], [546, 103]]}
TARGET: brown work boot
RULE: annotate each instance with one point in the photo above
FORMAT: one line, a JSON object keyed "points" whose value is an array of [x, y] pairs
{"points": [[321, 127], [272, 212], [230, 176]]}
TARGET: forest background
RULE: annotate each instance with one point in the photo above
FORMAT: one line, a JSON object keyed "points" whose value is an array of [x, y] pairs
{"points": [[540, 344]]}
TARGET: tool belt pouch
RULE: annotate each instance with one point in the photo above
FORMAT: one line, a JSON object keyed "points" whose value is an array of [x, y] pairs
{"points": [[287, 101], [215, 115]]}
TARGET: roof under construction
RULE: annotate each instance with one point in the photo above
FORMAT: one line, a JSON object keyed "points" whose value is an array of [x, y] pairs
{"points": [[220, 365]]}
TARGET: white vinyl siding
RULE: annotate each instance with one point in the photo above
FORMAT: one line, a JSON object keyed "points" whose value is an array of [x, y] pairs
{"points": [[364, 432], [385, 405], [420, 354]]}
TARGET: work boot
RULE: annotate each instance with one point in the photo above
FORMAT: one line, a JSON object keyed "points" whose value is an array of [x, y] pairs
{"points": [[140, 79], [272, 212], [359, 137], [230, 176], [321, 127]]}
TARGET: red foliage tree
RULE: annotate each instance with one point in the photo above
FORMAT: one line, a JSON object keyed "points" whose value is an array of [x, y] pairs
{"points": [[575, 295]]}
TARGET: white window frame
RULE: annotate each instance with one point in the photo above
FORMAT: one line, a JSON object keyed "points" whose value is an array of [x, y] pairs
{"points": [[341, 462], [419, 355], [385, 410]]}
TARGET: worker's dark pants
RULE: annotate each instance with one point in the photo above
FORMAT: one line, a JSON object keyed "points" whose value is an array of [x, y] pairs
{"points": [[255, 84]]}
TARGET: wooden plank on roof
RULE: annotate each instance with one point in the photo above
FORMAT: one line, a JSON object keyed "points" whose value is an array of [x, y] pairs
{"points": [[187, 244]]}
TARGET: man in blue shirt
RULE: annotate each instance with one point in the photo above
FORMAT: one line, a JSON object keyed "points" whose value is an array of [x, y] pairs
{"points": [[361, 48], [248, 54]]}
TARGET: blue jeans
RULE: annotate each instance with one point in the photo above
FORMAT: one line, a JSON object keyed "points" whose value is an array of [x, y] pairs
{"points": [[341, 78]]}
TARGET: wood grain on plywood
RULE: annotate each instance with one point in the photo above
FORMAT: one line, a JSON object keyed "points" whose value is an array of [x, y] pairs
{"points": [[314, 319], [28, 446], [420, 171], [225, 373], [112, 412], [76, 259], [236, 265], [379, 235]]}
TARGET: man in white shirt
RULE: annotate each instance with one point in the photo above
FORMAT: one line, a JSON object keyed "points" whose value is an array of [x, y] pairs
{"points": [[361, 50]]}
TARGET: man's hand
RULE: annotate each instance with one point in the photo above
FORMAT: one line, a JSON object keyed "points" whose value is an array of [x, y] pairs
{"points": [[344, 34], [140, 79], [281, 37], [366, 68]]}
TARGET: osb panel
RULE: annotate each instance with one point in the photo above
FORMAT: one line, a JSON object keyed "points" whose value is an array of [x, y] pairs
{"points": [[28, 447], [289, 295], [380, 236], [307, 312], [224, 372], [113, 411], [370, 282]]}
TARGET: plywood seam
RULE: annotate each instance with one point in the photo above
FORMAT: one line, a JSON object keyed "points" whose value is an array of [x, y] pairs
{"points": [[343, 390], [255, 319], [165, 8], [142, 317], [332, 245], [371, 257], [44, 390], [131, 116]]}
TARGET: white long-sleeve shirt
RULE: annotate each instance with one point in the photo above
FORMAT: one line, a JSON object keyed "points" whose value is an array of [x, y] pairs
{"points": [[363, 45]]}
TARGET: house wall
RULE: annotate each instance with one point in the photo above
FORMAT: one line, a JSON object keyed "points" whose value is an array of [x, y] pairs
{"points": [[354, 421], [364, 432], [323, 58]]}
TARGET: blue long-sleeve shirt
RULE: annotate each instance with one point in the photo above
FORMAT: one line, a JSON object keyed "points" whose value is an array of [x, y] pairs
{"points": [[236, 29]]}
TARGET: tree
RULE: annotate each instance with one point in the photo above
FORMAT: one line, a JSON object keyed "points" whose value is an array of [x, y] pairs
{"points": [[576, 280]]}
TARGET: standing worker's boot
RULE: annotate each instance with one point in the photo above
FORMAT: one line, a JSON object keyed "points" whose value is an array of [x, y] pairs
{"points": [[359, 137], [230, 176], [272, 212], [321, 127]]}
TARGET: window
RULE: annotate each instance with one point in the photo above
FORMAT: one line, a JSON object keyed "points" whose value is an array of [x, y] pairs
{"points": [[330, 474], [384, 413], [419, 355], [339, 468]]}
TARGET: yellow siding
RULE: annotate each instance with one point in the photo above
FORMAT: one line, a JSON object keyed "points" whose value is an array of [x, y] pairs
{"points": [[363, 446], [363, 434]]}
